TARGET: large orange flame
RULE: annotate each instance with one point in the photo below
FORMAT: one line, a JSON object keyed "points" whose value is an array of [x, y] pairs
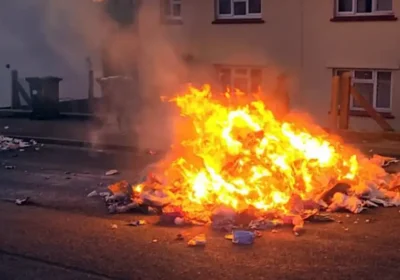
{"points": [[241, 156]]}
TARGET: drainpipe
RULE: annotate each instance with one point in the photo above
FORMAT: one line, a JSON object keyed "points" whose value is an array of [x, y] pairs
{"points": [[135, 21], [301, 62]]}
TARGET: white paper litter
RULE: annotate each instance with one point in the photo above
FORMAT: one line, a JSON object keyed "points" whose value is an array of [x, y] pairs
{"points": [[93, 194], [8, 143], [112, 172]]}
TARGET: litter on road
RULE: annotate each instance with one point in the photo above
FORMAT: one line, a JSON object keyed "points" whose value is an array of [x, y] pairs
{"points": [[137, 223], [198, 241], [112, 172], [8, 143], [180, 237], [22, 201], [243, 237]]}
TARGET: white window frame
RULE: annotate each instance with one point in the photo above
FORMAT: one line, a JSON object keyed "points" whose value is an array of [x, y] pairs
{"points": [[232, 16], [234, 75], [355, 13], [374, 82], [171, 4]]}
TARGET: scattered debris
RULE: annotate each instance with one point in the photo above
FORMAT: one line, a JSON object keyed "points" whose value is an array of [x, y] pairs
{"points": [[223, 219], [22, 201], [112, 172], [157, 198], [320, 218], [96, 193], [120, 199], [243, 237], [179, 237], [198, 240], [229, 236], [93, 194], [264, 224], [8, 143], [137, 223], [170, 218], [123, 208]]}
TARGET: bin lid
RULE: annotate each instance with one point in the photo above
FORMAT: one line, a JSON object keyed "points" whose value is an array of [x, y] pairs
{"points": [[45, 78]]}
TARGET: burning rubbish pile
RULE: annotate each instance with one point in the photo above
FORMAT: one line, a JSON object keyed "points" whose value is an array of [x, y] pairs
{"points": [[233, 159]]}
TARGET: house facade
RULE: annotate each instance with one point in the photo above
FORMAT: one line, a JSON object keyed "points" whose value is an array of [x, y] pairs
{"points": [[246, 43], [241, 44]]}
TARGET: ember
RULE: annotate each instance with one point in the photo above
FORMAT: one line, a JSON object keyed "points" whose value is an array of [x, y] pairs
{"points": [[240, 157]]}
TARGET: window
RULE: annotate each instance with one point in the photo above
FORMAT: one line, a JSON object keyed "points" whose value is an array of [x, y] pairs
{"points": [[364, 7], [238, 9], [247, 80], [374, 85], [172, 9]]}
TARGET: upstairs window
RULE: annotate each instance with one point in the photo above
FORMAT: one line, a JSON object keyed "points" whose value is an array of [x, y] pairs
{"points": [[374, 85], [172, 9], [364, 7], [240, 9]]}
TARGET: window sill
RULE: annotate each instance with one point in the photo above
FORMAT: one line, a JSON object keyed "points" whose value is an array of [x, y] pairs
{"points": [[356, 113], [239, 21], [364, 18], [171, 21]]}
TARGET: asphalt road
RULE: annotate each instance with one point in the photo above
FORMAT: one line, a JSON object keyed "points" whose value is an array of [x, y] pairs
{"points": [[69, 236]]}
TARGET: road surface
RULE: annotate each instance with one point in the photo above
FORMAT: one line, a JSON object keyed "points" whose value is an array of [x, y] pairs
{"points": [[70, 236]]}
